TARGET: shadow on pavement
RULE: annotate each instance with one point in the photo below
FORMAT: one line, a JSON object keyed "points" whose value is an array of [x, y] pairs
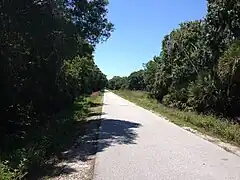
{"points": [[113, 131], [92, 141]]}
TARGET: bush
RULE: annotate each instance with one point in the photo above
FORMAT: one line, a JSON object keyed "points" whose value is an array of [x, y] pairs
{"points": [[202, 93], [176, 99], [5, 172], [229, 64]]}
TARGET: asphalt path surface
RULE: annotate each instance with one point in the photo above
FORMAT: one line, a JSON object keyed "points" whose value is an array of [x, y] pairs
{"points": [[135, 144]]}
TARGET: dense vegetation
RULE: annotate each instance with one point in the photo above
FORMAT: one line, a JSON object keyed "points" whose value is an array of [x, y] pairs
{"points": [[198, 67], [46, 54]]}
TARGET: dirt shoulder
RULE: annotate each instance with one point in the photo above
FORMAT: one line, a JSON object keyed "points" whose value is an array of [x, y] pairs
{"points": [[78, 162]]}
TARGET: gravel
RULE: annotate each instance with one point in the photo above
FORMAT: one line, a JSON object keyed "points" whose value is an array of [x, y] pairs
{"points": [[78, 162]]}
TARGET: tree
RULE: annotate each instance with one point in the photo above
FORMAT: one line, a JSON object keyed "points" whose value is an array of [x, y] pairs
{"points": [[117, 83], [46, 62], [150, 69], [198, 66], [136, 80], [36, 41], [222, 25]]}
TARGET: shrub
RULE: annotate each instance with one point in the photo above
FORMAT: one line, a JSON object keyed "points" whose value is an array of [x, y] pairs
{"points": [[229, 64], [202, 93], [176, 98]]}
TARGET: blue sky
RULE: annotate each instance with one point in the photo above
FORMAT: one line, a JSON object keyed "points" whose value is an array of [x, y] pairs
{"points": [[140, 26]]}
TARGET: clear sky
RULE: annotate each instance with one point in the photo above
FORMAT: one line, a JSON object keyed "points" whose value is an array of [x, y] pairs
{"points": [[140, 26]]}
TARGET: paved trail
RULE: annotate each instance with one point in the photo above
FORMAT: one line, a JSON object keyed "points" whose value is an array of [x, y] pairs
{"points": [[135, 144]]}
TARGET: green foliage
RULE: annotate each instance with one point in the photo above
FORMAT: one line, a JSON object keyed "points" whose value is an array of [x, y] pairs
{"points": [[136, 80], [118, 82], [45, 143], [176, 99], [198, 66], [150, 69], [82, 76], [229, 64], [223, 24], [202, 93], [5, 172], [46, 52]]}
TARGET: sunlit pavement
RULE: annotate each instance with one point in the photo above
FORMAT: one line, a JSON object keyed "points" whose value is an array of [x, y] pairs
{"points": [[135, 144]]}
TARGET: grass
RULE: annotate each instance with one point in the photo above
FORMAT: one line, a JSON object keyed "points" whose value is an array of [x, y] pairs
{"points": [[207, 124], [45, 145], [95, 102]]}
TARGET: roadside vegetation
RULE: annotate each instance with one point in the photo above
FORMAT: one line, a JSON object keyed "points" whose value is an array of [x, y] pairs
{"points": [[95, 102], [197, 72], [48, 142], [208, 124], [47, 71]]}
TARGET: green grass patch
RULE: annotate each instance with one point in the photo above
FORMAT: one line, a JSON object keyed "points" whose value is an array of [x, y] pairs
{"points": [[96, 102], [217, 127]]}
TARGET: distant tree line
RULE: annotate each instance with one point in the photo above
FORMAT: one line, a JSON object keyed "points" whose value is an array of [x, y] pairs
{"points": [[199, 64], [135, 81], [46, 53]]}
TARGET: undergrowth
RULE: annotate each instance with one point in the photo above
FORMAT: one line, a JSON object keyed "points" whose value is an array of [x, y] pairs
{"points": [[43, 144]]}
